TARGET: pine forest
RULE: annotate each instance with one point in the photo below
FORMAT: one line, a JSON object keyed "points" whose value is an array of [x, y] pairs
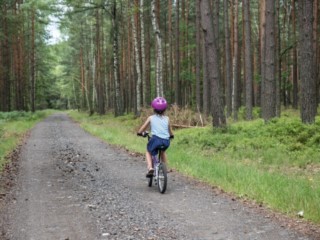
{"points": [[216, 57]]}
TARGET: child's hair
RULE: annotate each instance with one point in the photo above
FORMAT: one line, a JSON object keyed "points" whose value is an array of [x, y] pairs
{"points": [[159, 112]]}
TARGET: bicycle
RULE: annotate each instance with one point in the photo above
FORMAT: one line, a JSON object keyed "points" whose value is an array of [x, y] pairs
{"points": [[160, 175]]}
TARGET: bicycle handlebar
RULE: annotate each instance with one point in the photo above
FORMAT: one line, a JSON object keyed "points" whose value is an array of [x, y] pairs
{"points": [[146, 134], [143, 134]]}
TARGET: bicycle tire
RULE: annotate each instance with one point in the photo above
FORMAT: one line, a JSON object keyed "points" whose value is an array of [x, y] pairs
{"points": [[162, 178]]}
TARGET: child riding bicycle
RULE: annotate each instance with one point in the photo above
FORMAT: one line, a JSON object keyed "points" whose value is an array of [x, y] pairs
{"points": [[161, 132]]}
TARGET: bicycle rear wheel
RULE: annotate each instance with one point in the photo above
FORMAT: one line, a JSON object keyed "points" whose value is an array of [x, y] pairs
{"points": [[162, 178], [150, 179]]}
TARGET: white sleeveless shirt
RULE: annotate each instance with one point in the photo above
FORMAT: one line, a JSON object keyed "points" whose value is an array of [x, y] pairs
{"points": [[160, 126]]}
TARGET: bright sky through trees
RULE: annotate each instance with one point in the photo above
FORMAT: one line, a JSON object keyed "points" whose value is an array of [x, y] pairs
{"points": [[53, 30]]}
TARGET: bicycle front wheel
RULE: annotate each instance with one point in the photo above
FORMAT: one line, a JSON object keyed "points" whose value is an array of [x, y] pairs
{"points": [[162, 178]]}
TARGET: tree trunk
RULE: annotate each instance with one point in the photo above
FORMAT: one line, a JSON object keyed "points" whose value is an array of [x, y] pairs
{"points": [[116, 71], [248, 59], [137, 64], [262, 47], [285, 58], [33, 65], [82, 81], [148, 62], [98, 67], [170, 54], [218, 117], [278, 70], [235, 62], [216, 27], [177, 60], [315, 45], [228, 70], [143, 55], [295, 61], [159, 67], [269, 83], [6, 62], [198, 56], [306, 62], [206, 84]]}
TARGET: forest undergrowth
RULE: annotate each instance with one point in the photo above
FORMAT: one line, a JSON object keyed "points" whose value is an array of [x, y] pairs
{"points": [[275, 164]]}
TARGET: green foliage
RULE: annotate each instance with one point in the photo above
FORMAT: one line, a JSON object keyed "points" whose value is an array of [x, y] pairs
{"points": [[256, 113], [286, 83], [257, 78], [188, 76]]}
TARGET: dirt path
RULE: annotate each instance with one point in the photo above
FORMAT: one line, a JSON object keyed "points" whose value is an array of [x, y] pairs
{"points": [[70, 185]]}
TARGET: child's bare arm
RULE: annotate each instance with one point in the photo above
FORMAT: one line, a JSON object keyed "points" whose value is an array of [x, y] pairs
{"points": [[144, 126]]}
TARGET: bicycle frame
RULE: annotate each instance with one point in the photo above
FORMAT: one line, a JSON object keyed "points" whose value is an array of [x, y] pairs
{"points": [[156, 160]]}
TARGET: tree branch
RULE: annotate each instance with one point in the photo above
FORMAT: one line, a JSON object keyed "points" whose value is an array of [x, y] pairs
{"points": [[286, 50]]}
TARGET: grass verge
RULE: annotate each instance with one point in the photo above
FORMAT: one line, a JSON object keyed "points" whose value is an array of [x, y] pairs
{"points": [[276, 164], [13, 126]]}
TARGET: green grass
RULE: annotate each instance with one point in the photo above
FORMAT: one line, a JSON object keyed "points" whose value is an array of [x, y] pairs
{"points": [[13, 126], [276, 164]]}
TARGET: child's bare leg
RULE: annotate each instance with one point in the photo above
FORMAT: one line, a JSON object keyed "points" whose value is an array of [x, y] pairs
{"points": [[164, 156], [149, 160]]}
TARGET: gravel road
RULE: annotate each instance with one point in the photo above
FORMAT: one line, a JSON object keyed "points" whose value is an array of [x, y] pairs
{"points": [[69, 185]]}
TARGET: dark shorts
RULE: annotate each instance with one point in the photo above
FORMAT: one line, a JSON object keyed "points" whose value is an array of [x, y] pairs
{"points": [[155, 143]]}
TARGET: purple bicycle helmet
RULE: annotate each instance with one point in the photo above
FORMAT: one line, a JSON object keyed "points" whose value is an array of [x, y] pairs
{"points": [[159, 104]]}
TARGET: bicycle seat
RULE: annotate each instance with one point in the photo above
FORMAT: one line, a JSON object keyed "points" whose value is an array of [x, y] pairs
{"points": [[162, 147]]}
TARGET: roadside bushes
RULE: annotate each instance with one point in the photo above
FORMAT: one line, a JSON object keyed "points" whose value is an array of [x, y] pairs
{"points": [[21, 115], [11, 116], [281, 141], [13, 126], [293, 133]]}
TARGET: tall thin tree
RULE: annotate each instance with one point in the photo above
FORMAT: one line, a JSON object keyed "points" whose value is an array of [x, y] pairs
{"points": [[159, 62], [177, 55], [143, 55], [228, 71], [235, 62], [308, 101], [198, 56], [137, 62], [269, 91], [33, 62], [294, 59], [248, 59], [213, 66], [116, 70]]}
